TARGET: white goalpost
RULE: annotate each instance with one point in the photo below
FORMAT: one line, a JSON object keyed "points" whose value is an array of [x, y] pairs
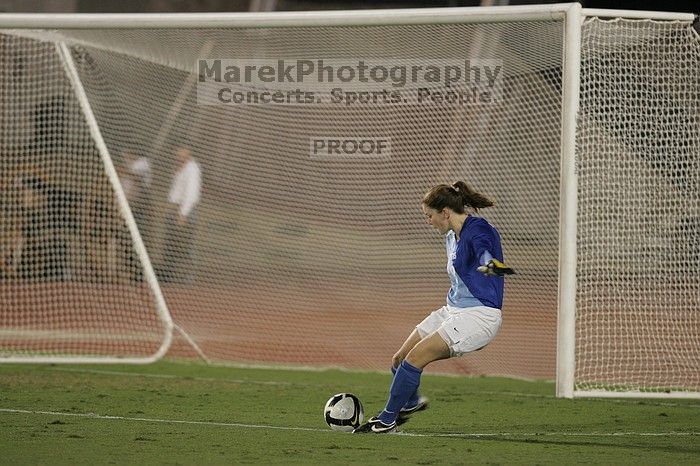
{"points": [[590, 148], [638, 147]]}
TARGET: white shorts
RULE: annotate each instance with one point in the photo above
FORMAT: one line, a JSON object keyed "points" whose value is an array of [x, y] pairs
{"points": [[464, 330]]}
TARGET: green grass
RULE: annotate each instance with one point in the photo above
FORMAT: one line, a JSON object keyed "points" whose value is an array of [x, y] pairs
{"points": [[266, 416]]}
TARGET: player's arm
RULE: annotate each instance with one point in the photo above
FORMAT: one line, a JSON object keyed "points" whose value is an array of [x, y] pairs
{"points": [[489, 265]]}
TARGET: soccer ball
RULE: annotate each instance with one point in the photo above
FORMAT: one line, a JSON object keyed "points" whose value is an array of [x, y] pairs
{"points": [[343, 412]]}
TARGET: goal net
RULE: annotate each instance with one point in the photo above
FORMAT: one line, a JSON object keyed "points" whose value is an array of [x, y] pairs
{"points": [[72, 285], [638, 154], [290, 255], [293, 257]]}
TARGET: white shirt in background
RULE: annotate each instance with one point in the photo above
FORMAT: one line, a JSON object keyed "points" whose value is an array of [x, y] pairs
{"points": [[185, 190], [142, 168]]}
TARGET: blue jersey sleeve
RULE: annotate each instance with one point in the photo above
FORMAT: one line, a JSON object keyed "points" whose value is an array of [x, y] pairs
{"points": [[483, 243]]}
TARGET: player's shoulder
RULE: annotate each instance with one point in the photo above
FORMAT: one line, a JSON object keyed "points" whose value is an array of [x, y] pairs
{"points": [[479, 223], [476, 220]]}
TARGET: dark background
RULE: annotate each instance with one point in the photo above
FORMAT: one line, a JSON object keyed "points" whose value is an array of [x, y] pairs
{"points": [[144, 6]]}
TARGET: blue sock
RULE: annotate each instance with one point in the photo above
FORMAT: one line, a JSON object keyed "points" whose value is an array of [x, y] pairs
{"points": [[405, 384], [413, 400]]}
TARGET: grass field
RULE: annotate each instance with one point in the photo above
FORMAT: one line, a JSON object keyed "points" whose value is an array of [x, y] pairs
{"points": [[188, 413]]}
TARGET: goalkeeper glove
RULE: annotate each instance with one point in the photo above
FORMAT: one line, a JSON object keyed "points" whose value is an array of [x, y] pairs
{"points": [[495, 268]]}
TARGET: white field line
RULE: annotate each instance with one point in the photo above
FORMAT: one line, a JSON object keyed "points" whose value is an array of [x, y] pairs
{"points": [[258, 382], [308, 429], [171, 376], [645, 401]]}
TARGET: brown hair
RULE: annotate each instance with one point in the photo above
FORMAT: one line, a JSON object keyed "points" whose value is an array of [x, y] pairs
{"points": [[456, 197]]}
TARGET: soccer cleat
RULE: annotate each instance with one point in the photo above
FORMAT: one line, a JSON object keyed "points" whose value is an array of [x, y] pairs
{"points": [[375, 426], [405, 413], [495, 268]]}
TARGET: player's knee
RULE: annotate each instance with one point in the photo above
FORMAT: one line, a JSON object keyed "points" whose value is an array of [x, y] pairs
{"points": [[415, 358], [396, 360], [426, 352]]}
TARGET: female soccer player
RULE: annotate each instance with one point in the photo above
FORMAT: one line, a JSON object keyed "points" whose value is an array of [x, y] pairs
{"points": [[472, 316]]}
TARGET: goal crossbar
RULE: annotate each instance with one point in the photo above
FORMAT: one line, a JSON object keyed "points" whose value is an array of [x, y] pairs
{"points": [[462, 15], [459, 15]]}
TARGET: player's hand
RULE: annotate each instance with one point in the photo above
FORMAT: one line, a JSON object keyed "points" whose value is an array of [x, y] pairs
{"points": [[495, 268]]}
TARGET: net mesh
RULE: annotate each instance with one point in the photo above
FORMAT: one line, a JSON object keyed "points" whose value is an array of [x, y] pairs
{"points": [[638, 144], [288, 259], [70, 282]]}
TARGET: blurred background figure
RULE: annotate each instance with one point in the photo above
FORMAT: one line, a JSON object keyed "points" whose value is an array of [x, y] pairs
{"points": [[136, 181], [183, 199], [48, 223], [134, 173]]}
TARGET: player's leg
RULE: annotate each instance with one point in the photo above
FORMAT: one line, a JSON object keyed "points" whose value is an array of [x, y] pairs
{"points": [[406, 382], [459, 333], [430, 349], [424, 329], [415, 401], [407, 346], [407, 378]]}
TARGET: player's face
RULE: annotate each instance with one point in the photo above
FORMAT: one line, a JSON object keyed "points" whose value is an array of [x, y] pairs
{"points": [[437, 220]]}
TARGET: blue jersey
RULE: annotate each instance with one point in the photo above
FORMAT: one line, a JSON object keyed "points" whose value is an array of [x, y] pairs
{"points": [[478, 243]]}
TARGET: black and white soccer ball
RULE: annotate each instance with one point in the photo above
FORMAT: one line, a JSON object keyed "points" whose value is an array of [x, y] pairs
{"points": [[343, 412]]}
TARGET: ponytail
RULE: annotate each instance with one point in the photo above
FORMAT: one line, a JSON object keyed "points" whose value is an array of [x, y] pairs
{"points": [[456, 197], [470, 197]]}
